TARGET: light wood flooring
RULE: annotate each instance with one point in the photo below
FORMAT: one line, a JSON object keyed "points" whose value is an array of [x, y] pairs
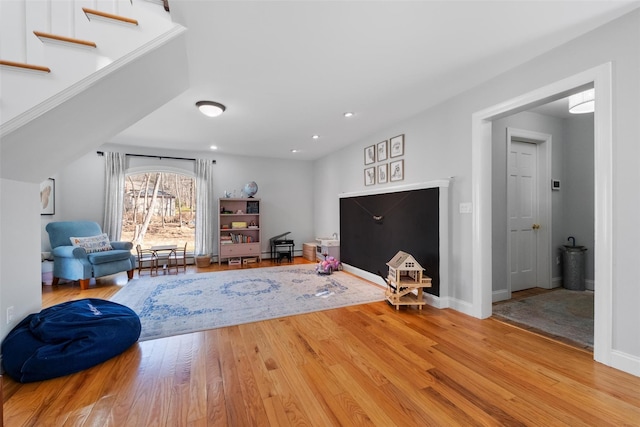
{"points": [[360, 365]]}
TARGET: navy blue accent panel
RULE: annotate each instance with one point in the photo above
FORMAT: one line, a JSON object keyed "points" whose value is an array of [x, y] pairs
{"points": [[409, 223]]}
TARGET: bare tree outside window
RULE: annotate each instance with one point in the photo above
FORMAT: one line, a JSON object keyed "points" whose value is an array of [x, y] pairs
{"points": [[159, 209]]}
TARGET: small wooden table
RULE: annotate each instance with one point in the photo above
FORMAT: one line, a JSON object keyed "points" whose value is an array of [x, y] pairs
{"points": [[164, 253]]}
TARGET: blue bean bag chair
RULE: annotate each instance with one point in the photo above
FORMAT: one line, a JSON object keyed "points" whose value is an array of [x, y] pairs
{"points": [[68, 338]]}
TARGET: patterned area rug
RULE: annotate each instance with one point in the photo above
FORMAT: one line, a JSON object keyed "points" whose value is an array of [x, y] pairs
{"points": [[563, 313], [173, 305]]}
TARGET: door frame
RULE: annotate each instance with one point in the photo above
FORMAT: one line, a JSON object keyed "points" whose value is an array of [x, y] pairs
{"points": [[543, 143], [600, 77]]}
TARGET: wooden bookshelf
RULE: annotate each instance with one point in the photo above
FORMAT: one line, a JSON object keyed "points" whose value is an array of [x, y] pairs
{"points": [[239, 232]]}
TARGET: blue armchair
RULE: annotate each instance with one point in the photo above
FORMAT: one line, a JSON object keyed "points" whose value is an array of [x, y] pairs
{"points": [[90, 258]]}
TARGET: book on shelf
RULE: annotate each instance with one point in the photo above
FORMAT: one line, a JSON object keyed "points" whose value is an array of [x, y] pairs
{"points": [[238, 238]]}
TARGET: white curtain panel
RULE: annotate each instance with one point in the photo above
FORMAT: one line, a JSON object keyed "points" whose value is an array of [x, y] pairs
{"points": [[115, 168], [204, 207]]}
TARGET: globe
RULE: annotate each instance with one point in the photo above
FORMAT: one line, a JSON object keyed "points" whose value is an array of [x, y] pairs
{"points": [[250, 189]]}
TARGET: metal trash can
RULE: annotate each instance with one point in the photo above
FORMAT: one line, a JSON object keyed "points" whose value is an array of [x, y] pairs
{"points": [[573, 268]]}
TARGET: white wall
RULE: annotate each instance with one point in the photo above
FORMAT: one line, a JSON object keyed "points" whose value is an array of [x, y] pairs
{"points": [[438, 145], [578, 189], [20, 277]]}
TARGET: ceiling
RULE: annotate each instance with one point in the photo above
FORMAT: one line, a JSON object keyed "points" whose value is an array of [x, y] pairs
{"points": [[289, 70]]}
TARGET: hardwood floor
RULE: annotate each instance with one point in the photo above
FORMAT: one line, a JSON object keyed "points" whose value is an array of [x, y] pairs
{"points": [[360, 365]]}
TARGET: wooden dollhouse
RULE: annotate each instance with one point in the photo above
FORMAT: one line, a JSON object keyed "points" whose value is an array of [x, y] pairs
{"points": [[405, 281]]}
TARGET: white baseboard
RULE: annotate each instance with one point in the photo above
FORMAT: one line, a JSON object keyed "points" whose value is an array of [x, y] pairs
{"points": [[461, 306], [436, 301], [364, 274], [501, 295], [624, 362]]}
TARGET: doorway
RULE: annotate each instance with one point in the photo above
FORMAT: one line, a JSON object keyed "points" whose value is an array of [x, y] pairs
{"points": [[600, 78]]}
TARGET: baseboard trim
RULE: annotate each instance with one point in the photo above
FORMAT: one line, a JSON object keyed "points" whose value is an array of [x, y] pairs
{"points": [[624, 361], [501, 295]]}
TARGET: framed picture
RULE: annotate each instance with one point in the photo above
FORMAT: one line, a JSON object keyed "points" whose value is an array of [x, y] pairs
{"points": [[369, 154], [381, 151], [382, 174], [48, 197], [396, 170], [370, 176], [397, 145]]}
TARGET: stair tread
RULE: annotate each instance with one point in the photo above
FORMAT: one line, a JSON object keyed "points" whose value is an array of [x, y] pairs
{"points": [[87, 11], [26, 66], [41, 35]]}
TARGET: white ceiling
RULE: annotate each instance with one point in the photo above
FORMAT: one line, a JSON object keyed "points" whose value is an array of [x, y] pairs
{"points": [[289, 70]]}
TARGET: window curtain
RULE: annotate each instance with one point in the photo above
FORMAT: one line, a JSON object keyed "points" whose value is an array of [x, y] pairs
{"points": [[204, 207], [115, 168]]}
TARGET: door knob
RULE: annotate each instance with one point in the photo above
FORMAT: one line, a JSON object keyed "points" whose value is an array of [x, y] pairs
{"points": [[535, 226]]}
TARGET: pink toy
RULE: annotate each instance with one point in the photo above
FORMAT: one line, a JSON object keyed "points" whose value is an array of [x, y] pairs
{"points": [[328, 266]]}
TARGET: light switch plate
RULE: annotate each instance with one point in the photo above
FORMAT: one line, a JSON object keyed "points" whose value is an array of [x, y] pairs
{"points": [[466, 207]]}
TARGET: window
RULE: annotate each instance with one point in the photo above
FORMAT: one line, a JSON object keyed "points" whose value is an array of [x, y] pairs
{"points": [[159, 209]]}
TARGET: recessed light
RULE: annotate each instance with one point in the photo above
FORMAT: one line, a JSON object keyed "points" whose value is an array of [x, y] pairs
{"points": [[315, 136], [349, 114], [214, 147], [293, 150]]}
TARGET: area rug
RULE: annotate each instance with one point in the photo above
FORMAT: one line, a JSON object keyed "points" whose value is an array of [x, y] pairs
{"points": [[172, 305], [563, 313]]}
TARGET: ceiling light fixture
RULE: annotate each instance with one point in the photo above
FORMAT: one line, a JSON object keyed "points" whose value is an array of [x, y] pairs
{"points": [[214, 147], [210, 108], [315, 136], [349, 114], [583, 102], [293, 150]]}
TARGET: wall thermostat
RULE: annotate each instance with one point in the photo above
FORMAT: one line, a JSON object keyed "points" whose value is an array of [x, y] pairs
{"points": [[555, 184]]}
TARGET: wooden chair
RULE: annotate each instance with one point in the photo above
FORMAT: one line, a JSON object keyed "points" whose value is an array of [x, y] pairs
{"points": [[148, 257], [179, 258]]}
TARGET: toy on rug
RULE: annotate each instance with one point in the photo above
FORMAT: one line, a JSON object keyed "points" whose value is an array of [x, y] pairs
{"points": [[68, 338], [328, 266]]}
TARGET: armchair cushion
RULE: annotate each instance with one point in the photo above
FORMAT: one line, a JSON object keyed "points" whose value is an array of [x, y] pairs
{"points": [[108, 256], [99, 243]]}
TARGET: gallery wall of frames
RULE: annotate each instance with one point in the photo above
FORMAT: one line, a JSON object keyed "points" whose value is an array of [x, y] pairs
{"points": [[383, 161]]}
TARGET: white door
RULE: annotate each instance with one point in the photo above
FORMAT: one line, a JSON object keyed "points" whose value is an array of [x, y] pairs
{"points": [[523, 207]]}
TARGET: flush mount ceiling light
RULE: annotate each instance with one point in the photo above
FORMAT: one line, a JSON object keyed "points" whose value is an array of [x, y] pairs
{"points": [[349, 114], [315, 136], [583, 102], [210, 108]]}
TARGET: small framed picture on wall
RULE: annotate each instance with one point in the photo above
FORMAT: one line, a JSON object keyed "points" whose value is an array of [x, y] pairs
{"points": [[382, 174], [369, 154], [381, 151], [48, 197], [396, 170], [397, 146], [370, 176]]}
